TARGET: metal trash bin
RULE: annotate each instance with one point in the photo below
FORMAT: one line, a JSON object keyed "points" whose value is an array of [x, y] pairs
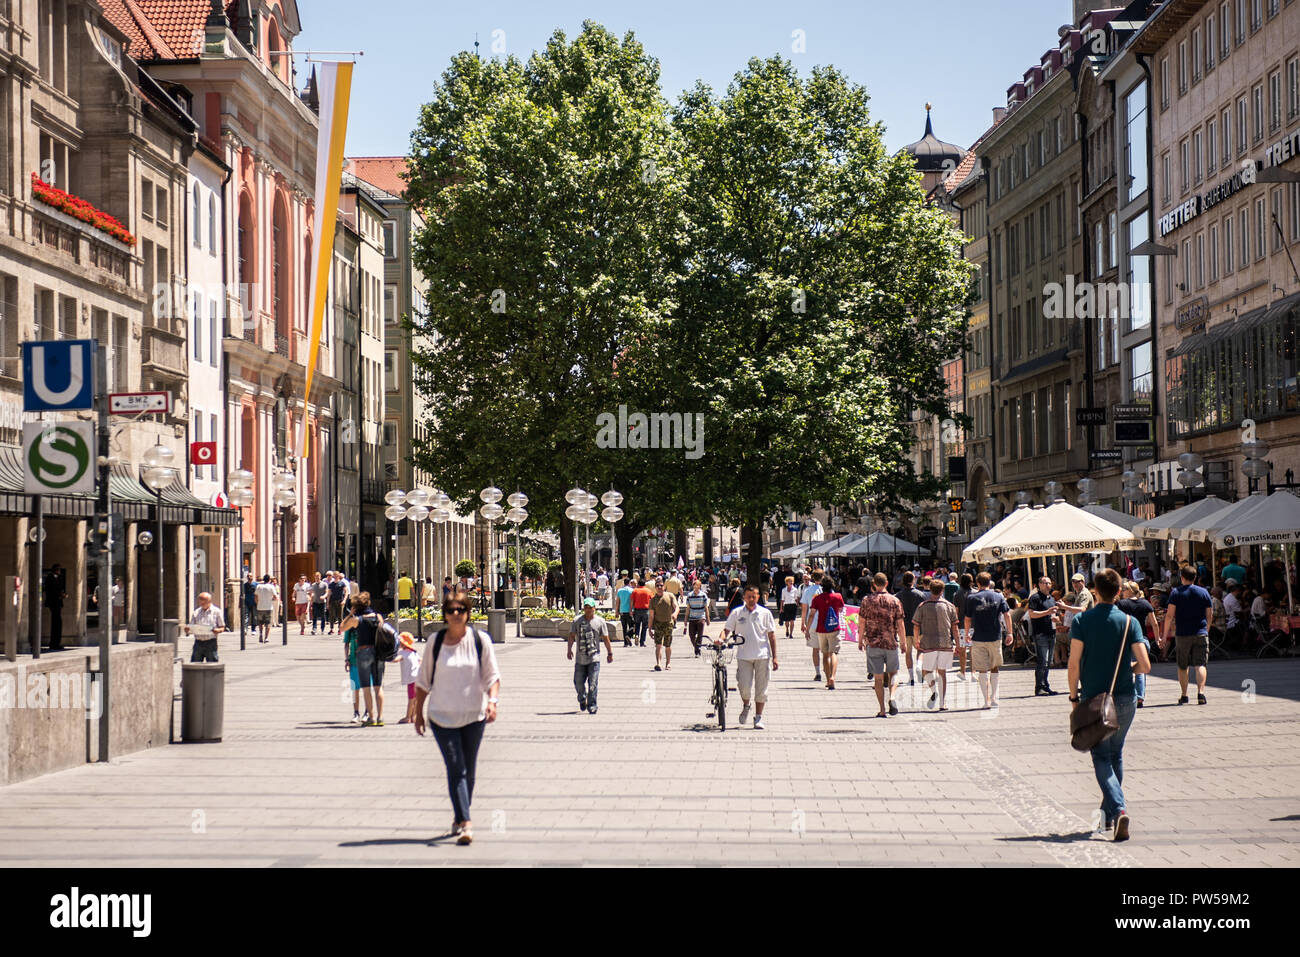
{"points": [[497, 625], [203, 701]]}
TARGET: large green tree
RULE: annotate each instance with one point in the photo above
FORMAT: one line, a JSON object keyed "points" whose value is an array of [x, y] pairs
{"points": [[821, 297], [551, 191]]}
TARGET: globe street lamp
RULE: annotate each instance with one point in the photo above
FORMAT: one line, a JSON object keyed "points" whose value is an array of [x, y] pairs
{"points": [[577, 499], [518, 515], [239, 484], [491, 511], [611, 513], [395, 512], [158, 475], [284, 497], [418, 512]]}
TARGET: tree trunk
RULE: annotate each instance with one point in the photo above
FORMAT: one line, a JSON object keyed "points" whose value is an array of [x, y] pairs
{"points": [[626, 533], [752, 534], [568, 561], [708, 546], [679, 546]]}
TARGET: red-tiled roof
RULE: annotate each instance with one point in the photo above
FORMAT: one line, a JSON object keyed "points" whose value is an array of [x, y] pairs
{"points": [[382, 171], [162, 29]]}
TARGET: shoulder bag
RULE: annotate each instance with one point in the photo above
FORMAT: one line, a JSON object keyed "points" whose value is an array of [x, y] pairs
{"points": [[1096, 719]]}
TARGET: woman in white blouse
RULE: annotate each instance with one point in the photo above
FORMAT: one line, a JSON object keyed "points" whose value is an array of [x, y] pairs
{"points": [[460, 680]]}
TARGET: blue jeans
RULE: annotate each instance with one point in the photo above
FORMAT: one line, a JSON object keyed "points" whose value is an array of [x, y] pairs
{"points": [[1140, 681], [1046, 646], [459, 748], [1108, 761], [585, 679], [641, 623]]}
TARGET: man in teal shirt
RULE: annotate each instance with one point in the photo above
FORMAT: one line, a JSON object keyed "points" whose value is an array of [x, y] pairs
{"points": [[625, 612], [1234, 571]]}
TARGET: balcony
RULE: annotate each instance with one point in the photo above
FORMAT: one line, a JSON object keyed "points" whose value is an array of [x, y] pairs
{"points": [[163, 355], [59, 233]]}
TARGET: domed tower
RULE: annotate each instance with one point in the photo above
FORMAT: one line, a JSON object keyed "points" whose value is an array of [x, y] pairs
{"points": [[934, 158]]}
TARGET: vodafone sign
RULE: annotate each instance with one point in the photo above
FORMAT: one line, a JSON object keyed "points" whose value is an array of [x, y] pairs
{"points": [[203, 453]]}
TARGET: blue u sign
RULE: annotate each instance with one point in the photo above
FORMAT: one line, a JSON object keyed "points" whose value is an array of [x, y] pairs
{"points": [[59, 376]]}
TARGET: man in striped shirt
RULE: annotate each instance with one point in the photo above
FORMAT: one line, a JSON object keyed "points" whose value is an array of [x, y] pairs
{"points": [[697, 615]]}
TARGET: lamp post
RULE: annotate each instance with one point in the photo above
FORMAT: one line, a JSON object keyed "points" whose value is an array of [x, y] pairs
{"points": [[417, 511], [158, 475], [395, 512], [491, 511], [240, 492], [611, 513], [518, 514], [577, 499], [284, 498], [1254, 467]]}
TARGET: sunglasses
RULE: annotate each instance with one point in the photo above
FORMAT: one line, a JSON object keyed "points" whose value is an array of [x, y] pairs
{"points": [[456, 610]]}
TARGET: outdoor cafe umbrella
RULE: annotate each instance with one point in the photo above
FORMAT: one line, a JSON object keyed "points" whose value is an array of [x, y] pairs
{"points": [[1273, 521], [794, 551], [880, 543], [1056, 529], [833, 547], [1173, 525], [1121, 519]]}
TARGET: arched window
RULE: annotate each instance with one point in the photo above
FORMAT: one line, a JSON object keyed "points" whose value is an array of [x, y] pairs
{"points": [[280, 268], [247, 261], [196, 214]]}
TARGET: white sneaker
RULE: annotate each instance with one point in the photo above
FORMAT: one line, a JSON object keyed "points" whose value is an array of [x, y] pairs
{"points": [[758, 722], [959, 676], [356, 718], [744, 714]]}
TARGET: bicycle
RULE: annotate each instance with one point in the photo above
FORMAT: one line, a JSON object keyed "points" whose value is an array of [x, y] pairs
{"points": [[723, 654]]}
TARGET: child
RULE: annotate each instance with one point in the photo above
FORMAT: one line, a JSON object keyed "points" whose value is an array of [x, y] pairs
{"points": [[348, 627], [410, 661]]}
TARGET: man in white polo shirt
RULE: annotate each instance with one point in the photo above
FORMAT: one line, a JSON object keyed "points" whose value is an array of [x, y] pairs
{"points": [[755, 624]]}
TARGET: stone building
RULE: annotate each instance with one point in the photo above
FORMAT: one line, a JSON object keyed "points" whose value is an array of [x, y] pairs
{"points": [[1225, 192], [83, 119]]}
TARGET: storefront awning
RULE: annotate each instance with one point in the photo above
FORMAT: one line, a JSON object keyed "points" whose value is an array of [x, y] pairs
{"points": [[14, 501]]}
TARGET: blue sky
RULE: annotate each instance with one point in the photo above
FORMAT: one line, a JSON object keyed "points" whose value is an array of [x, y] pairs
{"points": [[958, 54]]}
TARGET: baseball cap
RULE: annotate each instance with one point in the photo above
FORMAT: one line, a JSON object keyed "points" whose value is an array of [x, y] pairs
{"points": [[589, 603], [1230, 582], [1077, 577]]}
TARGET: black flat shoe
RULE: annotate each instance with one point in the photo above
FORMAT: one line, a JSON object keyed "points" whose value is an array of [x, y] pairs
{"points": [[1183, 700], [1200, 699]]}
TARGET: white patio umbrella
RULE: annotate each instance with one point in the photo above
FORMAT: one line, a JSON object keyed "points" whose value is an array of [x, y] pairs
{"points": [[832, 547], [1273, 521], [1173, 525], [881, 543], [1203, 529], [1122, 519], [794, 551], [1057, 529]]}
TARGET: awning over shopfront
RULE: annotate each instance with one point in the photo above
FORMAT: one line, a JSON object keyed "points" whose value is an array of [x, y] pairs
{"points": [[14, 501]]}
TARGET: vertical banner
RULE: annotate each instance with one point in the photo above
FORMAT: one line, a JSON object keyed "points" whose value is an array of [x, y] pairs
{"points": [[334, 83]]}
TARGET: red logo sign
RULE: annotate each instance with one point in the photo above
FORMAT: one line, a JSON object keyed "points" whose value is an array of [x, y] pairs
{"points": [[203, 453]]}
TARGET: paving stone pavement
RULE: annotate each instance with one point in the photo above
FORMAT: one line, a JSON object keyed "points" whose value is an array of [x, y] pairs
{"points": [[650, 780]]}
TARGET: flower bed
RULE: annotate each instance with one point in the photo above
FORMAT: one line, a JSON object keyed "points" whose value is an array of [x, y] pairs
{"points": [[78, 208]]}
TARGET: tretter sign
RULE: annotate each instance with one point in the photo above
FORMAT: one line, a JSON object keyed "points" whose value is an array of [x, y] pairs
{"points": [[1183, 214]]}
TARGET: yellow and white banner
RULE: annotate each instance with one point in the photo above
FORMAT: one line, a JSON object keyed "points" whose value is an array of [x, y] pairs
{"points": [[334, 85]]}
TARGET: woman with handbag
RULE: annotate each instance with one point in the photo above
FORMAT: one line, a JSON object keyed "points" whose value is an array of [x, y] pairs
{"points": [[460, 680], [1106, 651]]}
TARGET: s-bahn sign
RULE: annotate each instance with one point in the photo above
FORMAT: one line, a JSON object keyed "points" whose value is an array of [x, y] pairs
{"points": [[58, 458]]}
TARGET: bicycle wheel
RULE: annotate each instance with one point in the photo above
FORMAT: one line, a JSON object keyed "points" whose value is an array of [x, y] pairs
{"points": [[720, 692]]}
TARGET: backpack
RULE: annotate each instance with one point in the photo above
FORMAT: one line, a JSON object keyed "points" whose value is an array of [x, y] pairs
{"points": [[437, 650], [832, 619], [384, 634]]}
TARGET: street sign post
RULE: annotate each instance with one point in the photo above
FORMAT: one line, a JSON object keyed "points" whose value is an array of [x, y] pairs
{"points": [[138, 403], [59, 376], [794, 526]]}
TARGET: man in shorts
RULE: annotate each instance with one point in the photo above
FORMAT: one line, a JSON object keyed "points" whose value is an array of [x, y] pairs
{"points": [[812, 587], [265, 596], [697, 615], [756, 656], [910, 597], [987, 615], [828, 615], [880, 631], [663, 612], [1188, 604], [935, 623]]}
